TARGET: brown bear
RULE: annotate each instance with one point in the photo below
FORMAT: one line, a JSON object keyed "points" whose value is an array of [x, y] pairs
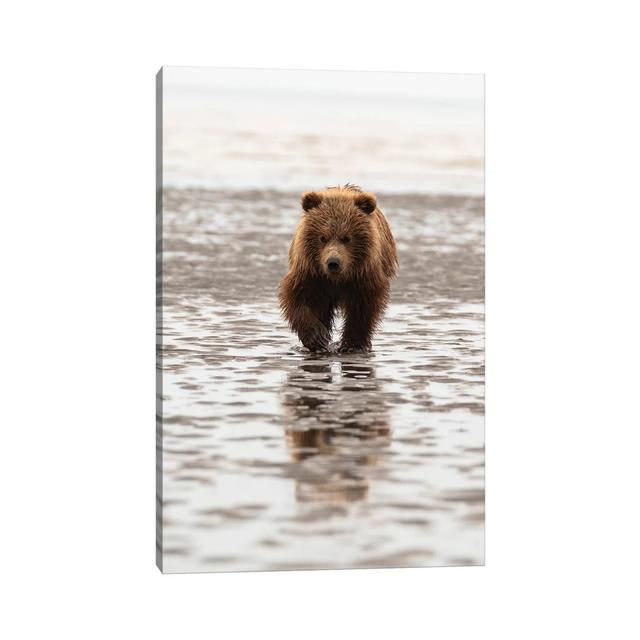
{"points": [[342, 257]]}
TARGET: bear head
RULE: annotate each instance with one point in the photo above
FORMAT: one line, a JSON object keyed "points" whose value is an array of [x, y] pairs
{"points": [[338, 230]]}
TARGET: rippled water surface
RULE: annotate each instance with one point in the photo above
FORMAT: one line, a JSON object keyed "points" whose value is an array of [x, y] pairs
{"points": [[275, 458]]}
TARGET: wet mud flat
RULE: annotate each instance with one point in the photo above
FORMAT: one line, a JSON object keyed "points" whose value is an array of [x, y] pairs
{"points": [[276, 458]]}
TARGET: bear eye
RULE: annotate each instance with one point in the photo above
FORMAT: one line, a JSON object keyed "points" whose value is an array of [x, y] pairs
{"points": [[346, 239], [323, 239]]}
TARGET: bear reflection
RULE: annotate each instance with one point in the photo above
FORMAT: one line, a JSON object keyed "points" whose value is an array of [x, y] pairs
{"points": [[336, 428]]}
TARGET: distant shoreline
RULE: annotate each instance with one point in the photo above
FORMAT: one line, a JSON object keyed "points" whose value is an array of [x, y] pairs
{"points": [[401, 198]]}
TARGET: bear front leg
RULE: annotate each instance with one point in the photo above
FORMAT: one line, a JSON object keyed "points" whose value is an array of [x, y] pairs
{"points": [[314, 334], [363, 312], [309, 315]]}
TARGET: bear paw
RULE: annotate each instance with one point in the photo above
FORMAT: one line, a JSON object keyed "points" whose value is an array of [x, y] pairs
{"points": [[353, 348], [316, 338]]}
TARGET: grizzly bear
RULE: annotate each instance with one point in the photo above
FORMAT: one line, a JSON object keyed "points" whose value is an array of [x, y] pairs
{"points": [[342, 257]]}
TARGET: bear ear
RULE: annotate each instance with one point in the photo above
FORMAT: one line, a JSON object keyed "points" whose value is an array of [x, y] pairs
{"points": [[310, 200], [366, 202]]}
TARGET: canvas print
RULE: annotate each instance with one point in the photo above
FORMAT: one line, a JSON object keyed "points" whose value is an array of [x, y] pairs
{"points": [[320, 320]]}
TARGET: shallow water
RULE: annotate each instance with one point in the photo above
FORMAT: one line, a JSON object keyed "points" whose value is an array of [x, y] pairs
{"points": [[275, 458]]}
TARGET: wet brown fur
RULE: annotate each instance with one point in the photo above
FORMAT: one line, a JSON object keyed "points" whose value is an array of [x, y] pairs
{"points": [[345, 224]]}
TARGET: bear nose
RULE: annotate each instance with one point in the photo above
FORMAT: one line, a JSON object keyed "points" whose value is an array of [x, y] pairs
{"points": [[333, 264]]}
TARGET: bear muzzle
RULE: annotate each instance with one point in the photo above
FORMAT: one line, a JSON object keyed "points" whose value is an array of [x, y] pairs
{"points": [[334, 264]]}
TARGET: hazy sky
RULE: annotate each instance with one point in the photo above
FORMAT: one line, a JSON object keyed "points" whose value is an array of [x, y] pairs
{"points": [[294, 130], [444, 86]]}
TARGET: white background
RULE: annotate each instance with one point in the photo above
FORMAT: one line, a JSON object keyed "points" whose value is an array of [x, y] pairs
{"points": [[77, 319]]}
